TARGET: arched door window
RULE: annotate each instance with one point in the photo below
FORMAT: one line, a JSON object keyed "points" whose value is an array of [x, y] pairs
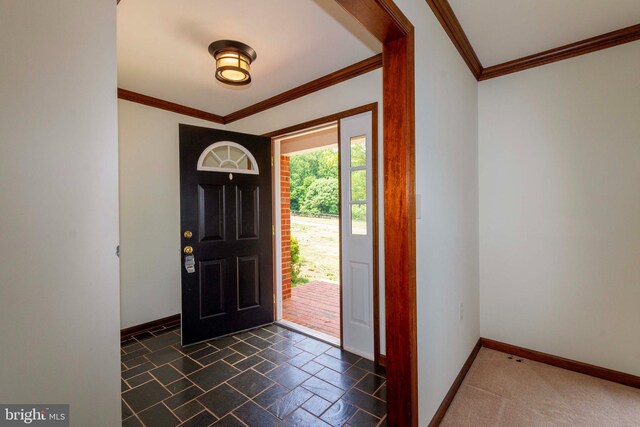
{"points": [[227, 156]]}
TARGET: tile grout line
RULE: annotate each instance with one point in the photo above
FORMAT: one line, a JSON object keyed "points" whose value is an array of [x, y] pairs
{"points": [[273, 339]]}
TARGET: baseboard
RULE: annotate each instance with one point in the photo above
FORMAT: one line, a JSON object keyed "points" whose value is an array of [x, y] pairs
{"points": [[446, 402], [154, 325], [381, 359], [561, 362]]}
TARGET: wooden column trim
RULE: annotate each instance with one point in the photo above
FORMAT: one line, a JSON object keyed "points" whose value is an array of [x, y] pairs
{"points": [[399, 226], [382, 18], [385, 21]]}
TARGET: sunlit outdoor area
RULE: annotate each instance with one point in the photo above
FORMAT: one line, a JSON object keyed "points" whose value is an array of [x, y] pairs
{"points": [[315, 241]]}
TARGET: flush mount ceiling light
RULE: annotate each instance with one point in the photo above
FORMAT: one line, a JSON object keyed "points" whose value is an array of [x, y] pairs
{"points": [[233, 61]]}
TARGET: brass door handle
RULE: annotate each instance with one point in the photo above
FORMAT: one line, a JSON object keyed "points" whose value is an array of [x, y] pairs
{"points": [[188, 234], [188, 250]]}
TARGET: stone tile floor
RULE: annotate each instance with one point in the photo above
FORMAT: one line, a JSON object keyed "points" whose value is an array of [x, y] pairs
{"points": [[269, 376], [315, 305]]}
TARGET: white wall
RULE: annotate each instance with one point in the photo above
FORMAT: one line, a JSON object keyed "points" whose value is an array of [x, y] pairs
{"points": [[560, 208], [59, 316], [150, 189], [447, 232], [149, 211]]}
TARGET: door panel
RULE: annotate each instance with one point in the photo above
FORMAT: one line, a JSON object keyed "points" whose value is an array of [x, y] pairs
{"points": [[360, 289], [356, 180], [248, 282], [248, 212], [211, 213], [231, 285], [212, 277]]}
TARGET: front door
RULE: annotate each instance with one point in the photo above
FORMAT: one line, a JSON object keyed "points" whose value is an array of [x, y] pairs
{"points": [[225, 210]]}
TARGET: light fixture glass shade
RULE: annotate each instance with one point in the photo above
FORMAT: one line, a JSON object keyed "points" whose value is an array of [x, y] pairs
{"points": [[233, 61], [232, 67]]}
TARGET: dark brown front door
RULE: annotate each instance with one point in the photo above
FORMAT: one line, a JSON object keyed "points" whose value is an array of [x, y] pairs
{"points": [[225, 206]]}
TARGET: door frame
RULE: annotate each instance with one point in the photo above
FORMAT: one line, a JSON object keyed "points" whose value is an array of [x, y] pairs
{"points": [[277, 238], [275, 149]]}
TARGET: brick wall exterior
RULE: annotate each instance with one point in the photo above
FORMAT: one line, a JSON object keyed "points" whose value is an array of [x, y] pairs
{"points": [[285, 211]]}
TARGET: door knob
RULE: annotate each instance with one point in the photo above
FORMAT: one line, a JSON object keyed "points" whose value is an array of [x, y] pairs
{"points": [[188, 234], [188, 250]]}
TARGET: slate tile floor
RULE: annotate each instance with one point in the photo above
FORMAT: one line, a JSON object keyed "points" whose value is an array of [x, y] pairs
{"points": [[270, 376]]}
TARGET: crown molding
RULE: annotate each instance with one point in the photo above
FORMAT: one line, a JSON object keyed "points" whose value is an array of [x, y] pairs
{"points": [[593, 44], [449, 21], [324, 82], [168, 106], [354, 70], [443, 11]]}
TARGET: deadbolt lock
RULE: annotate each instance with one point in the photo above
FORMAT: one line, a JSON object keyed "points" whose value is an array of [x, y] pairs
{"points": [[188, 234], [188, 250]]}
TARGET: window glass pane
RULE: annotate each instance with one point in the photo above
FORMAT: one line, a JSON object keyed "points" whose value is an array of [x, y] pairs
{"points": [[222, 152], [210, 161], [227, 156], [359, 185], [236, 154], [358, 151], [244, 163], [359, 219]]}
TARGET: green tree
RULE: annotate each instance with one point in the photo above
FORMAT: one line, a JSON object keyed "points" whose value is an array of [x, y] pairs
{"points": [[306, 168], [321, 197]]}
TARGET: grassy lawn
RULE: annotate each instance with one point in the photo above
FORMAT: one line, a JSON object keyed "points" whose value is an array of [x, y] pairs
{"points": [[319, 247], [319, 241]]}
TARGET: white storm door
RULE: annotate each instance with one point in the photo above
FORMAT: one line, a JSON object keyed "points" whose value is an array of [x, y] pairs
{"points": [[357, 234]]}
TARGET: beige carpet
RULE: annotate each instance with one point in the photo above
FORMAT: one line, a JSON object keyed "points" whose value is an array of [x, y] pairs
{"points": [[499, 391]]}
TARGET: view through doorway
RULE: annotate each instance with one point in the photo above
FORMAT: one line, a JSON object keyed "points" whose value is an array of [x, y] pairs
{"points": [[310, 197]]}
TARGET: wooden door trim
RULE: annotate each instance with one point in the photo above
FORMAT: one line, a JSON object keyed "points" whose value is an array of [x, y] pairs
{"points": [[321, 120], [379, 359], [384, 20], [340, 236]]}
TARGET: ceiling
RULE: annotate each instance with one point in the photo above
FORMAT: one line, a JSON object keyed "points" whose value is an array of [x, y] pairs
{"points": [[162, 47], [504, 30]]}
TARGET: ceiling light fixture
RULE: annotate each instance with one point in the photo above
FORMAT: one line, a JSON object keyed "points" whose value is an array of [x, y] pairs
{"points": [[233, 61]]}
